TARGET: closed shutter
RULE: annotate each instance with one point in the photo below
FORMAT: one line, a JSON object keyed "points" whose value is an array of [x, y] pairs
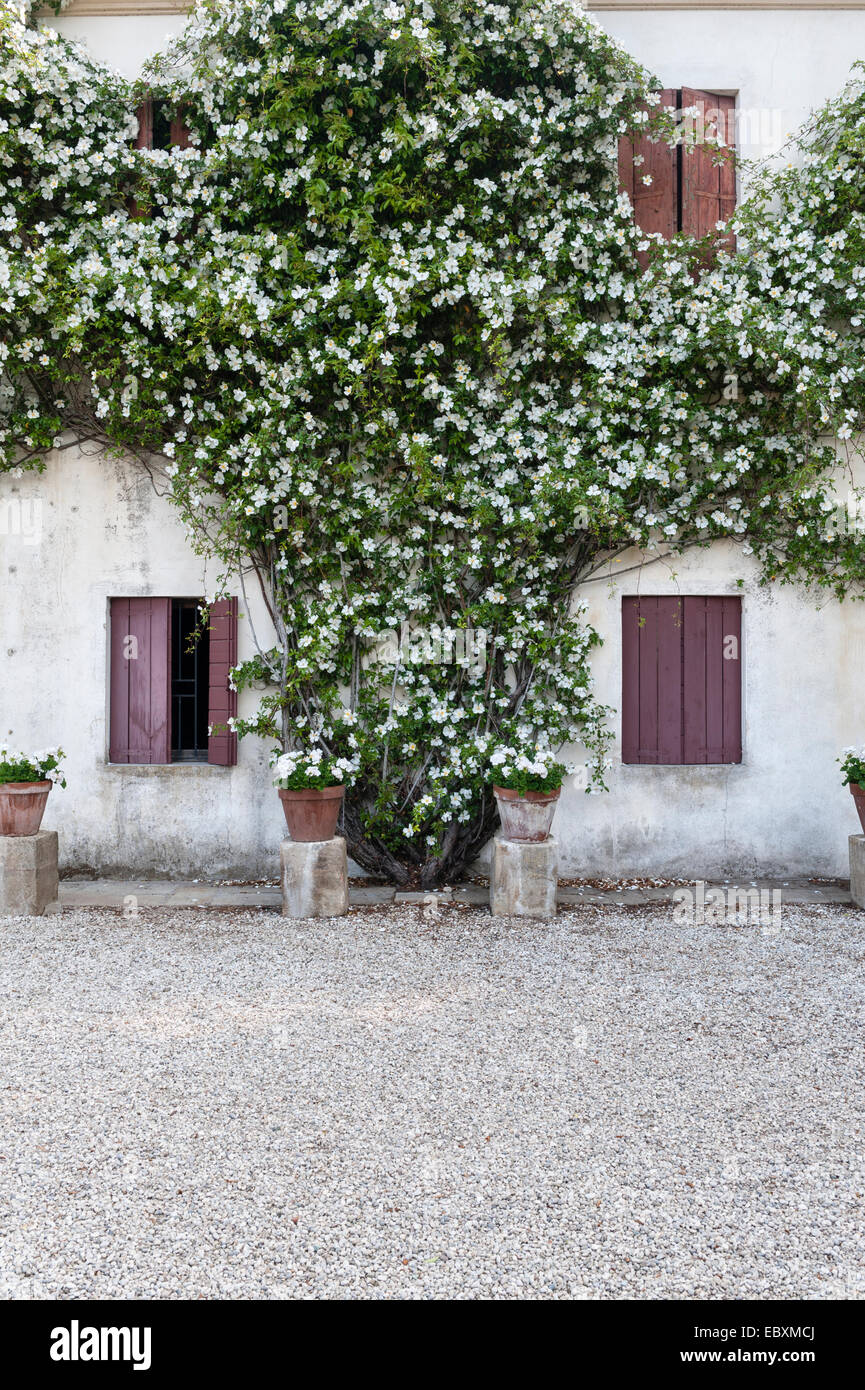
{"points": [[140, 689], [709, 189], [655, 204], [681, 680], [712, 680], [652, 680], [222, 700]]}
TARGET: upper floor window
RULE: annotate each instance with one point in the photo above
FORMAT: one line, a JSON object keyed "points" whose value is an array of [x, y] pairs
{"points": [[683, 189], [160, 126]]}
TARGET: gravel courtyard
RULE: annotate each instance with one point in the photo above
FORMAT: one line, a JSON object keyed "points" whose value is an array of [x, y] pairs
{"points": [[427, 1103]]}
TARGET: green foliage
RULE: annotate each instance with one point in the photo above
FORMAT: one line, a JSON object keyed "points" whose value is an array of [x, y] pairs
{"points": [[31, 767], [853, 767], [523, 776]]}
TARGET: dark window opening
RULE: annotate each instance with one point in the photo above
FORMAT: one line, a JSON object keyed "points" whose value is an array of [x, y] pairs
{"points": [[190, 663], [162, 116]]}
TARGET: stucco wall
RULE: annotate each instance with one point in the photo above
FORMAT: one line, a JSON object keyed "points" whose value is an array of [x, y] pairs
{"points": [[782, 809], [104, 532], [90, 528], [123, 43]]}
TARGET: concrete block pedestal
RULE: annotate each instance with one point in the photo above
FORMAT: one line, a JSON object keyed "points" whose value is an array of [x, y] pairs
{"points": [[314, 877], [857, 869], [523, 878], [29, 881]]}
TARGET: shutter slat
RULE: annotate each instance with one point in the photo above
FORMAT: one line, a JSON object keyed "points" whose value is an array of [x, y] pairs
{"points": [[630, 682], [694, 701], [732, 679], [222, 701], [670, 641], [626, 166], [118, 739], [179, 132], [714, 678], [647, 610], [144, 138]]}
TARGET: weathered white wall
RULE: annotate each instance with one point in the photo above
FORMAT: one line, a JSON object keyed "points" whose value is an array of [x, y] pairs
{"points": [[782, 809], [123, 43], [105, 533], [87, 530], [90, 528]]}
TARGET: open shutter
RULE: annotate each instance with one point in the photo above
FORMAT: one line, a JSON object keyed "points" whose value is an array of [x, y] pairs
{"points": [[712, 680], [709, 189], [652, 680], [144, 138], [143, 141], [222, 701], [179, 130], [655, 204], [149, 128], [140, 715]]}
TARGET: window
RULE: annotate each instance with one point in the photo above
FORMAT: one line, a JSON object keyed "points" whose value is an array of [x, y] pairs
{"points": [[190, 665], [688, 192], [681, 680], [163, 697], [159, 127]]}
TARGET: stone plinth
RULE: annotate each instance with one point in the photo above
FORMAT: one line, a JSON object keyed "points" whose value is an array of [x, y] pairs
{"points": [[314, 878], [523, 878], [29, 881], [857, 869]]}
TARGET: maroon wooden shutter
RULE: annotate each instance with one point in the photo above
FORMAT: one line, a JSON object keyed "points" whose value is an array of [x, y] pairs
{"points": [[179, 131], [652, 680], [144, 138], [681, 680], [709, 189], [140, 716], [143, 141], [222, 701], [655, 205], [713, 684]]}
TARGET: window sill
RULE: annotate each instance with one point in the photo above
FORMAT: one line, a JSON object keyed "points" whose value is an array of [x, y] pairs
{"points": [[164, 769], [683, 767]]}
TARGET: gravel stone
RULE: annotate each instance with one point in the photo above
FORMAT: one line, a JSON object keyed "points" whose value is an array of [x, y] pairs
{"points": [[421, 1101]]}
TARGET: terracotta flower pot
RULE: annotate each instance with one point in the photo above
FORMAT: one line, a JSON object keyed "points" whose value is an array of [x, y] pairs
{"points": [[22, 806], [527, 815], [859, 798], [312, 814]]}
